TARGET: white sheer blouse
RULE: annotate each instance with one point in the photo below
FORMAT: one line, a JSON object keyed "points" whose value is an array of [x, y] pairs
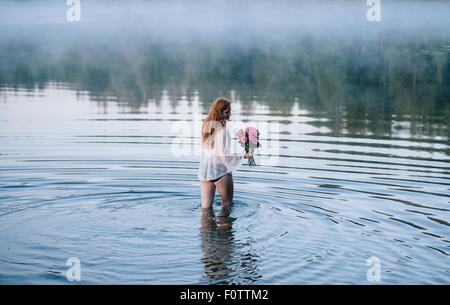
{"points": [[217, 161]]}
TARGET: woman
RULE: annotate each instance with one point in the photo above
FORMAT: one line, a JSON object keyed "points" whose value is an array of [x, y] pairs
{"points": [[216, 163]]}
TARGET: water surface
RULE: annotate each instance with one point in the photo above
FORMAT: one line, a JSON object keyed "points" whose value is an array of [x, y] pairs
{"points": [[87, 170]]}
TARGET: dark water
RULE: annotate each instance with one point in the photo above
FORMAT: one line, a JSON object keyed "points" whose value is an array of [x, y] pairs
{"points": [[89, 115]]}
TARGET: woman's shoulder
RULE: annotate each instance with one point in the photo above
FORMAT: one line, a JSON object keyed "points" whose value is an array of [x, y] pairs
{"points": [[221, 129]]}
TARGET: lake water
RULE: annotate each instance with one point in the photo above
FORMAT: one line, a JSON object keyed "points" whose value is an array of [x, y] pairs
{"points": [[354, 168]]}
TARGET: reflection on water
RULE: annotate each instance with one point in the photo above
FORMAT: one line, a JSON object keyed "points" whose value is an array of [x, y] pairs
{"points": [[222, 255], [217, 245], [86, 127]]}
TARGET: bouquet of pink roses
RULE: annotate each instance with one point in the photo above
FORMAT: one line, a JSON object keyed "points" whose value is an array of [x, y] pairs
{"points": [[249, 139]]}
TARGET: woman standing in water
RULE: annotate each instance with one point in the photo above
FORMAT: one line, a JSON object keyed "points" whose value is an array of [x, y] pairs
{"points": [[217, 163]]}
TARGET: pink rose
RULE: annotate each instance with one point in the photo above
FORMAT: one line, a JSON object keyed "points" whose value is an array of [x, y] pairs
{"points": [[252, 131], [253, 139], [241, 136], [252, 134]]}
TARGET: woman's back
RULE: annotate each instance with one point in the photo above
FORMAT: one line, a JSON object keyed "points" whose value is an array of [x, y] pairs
{"points": [[216, 159]]}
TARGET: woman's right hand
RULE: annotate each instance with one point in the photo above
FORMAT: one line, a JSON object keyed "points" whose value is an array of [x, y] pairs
{"points": [[248, 155]]}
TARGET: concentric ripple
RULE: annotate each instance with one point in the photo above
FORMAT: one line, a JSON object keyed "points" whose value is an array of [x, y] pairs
{"points": [[104, 187]]}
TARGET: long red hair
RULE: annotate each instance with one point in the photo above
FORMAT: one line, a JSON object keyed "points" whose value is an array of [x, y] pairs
{"points": [[214, 119]]}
